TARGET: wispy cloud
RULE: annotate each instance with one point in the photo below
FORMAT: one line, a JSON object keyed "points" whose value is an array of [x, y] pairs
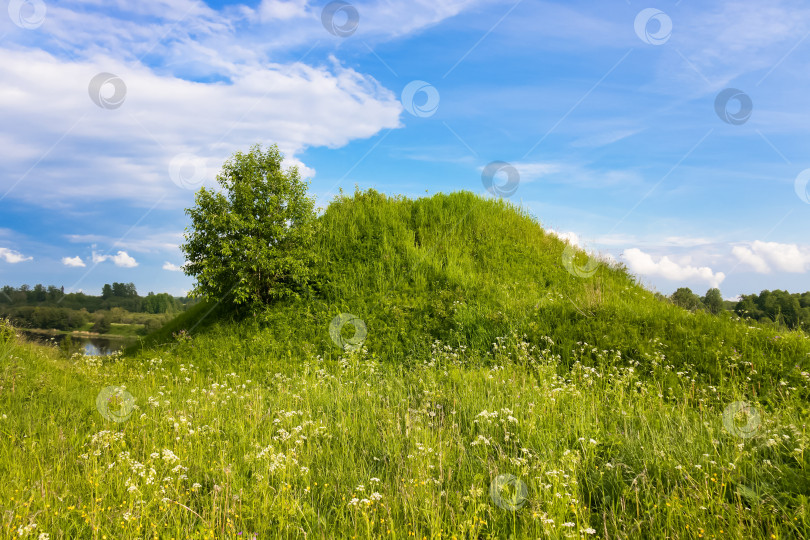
{"points": [[604, 138], [687, 241], [139, 239], [574, 174]]}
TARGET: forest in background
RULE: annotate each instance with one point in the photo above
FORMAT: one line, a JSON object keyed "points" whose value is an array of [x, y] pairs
{"points": [[50, 308], [778, 308]]}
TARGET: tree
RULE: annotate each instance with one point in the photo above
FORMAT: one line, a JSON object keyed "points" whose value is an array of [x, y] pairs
{"points": [[252, 241], [5, 294], [747, 307], [102, 325], [106, 291], [124, 290], [713, 301], [159, 303], [40, 293], [55, 294], [685, 298]]}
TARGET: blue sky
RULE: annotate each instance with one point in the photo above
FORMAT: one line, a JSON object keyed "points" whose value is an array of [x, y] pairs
{"points": [[114, 112]]}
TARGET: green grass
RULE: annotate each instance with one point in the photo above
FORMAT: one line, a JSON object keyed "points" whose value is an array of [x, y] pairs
{"points": [[484, 357], [122, 329], [86, 327]]}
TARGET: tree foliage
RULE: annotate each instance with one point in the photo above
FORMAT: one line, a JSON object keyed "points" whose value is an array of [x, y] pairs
{"points": [[685, 298], [713, 301], [778, 307], [159, 303], [250, 243]]}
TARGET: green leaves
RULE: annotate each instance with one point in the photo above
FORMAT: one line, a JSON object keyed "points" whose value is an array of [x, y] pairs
{"points": [[251, 243]]}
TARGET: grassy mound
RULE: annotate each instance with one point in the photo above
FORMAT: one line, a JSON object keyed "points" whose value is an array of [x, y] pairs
{"points": [[497, 394], [466, 271]]}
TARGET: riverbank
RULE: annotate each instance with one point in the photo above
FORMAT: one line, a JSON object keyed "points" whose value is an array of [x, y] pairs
{"points": [[90, 343], [79, 333]]}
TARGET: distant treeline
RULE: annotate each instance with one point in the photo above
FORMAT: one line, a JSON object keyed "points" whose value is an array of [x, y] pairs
{"points": [[50, 308], [779, 308]]}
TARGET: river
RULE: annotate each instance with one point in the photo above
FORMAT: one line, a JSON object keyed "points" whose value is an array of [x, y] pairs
{"points": [[92, 346]]}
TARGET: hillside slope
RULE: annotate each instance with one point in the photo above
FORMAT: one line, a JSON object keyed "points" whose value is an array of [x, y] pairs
{"points": [[465, 271]]}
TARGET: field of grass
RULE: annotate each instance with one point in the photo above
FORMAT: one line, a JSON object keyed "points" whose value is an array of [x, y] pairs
{"points": [[496, 395]]}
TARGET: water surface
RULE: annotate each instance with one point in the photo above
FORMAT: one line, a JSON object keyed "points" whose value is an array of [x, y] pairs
{"points": [[91, 346]]}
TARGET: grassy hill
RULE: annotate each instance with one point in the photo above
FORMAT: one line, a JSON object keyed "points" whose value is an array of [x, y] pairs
{"points": [[496, 394]]}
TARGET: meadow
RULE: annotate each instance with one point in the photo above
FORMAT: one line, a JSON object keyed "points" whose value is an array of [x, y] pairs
{"points": [[497, 393]]}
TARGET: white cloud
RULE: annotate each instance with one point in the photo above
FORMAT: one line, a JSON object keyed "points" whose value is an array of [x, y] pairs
{"points": [[571, 237], [643, 263], [765, 257], [121, 259], [12, 257], [75, 262], [246, 97], [237, 33], [282, 10], [746, 256], [295, 106], [172, 267]]}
